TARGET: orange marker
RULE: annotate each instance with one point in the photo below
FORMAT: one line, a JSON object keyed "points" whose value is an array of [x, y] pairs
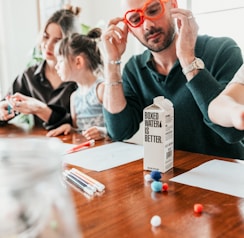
{"points": [[81, 146]]}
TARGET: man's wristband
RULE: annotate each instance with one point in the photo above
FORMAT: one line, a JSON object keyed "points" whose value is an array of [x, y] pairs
{"points": [[116, 62], [113, 83]]}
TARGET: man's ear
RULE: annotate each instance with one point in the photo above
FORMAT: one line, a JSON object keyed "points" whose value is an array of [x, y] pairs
{"points": [[79, 62]]}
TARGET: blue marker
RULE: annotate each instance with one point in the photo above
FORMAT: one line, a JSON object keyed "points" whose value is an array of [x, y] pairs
{"points": [[9, 109], [9, 105], [78, 183]]}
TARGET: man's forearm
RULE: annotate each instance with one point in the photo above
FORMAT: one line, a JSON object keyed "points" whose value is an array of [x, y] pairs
{"points": [[113, 100]]}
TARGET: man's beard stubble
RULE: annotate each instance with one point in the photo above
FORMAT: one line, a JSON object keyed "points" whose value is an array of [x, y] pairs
{"points": [[169, 38]]}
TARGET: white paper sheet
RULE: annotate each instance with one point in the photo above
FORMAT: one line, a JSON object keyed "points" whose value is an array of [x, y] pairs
{"points": [[105, 156], [216, 175]]}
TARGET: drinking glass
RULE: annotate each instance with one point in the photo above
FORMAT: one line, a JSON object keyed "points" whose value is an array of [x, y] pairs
{"points": [[34, 202]]}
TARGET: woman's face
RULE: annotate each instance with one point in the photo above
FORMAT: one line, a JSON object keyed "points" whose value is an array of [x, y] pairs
{"points": [[50, 37]]}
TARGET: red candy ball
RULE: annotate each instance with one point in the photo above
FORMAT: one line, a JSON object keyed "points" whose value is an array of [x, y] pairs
{"points": [[198, 208], [165, 187]]}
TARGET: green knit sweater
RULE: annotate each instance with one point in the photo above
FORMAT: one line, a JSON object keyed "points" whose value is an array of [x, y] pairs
{"points": [[193, 131]]}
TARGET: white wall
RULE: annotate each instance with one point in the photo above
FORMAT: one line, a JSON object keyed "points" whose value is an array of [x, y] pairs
{"points": [[18, 27]]}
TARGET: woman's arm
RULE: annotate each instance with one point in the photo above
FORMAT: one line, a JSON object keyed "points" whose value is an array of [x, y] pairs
{"points": [[227, 109], [30, 105]]}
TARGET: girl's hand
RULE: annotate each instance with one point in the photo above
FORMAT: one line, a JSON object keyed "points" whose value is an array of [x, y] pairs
{"points": [[96, 133], [63, 129]]}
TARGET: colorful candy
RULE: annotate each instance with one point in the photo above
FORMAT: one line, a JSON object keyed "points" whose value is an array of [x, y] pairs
{"points": [[156, 221], [165, 187], [148, 178], [198, 208], [156, 186], [156, 175]]}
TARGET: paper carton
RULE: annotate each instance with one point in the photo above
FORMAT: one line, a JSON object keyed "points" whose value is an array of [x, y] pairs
{"points": [[158, 141]]}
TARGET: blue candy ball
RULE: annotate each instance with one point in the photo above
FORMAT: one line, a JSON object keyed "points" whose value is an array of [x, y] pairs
{"points": [[156, 186], [156, 175]]}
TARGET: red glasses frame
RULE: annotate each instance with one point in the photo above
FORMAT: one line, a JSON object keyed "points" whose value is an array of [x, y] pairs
{"points": [[142, 15]]}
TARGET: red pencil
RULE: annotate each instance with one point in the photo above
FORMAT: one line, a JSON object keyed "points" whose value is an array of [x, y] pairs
{"points": [[81, 146]]}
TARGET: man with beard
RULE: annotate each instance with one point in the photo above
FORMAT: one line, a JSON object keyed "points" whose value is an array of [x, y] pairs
{"points": [[184, 67]]}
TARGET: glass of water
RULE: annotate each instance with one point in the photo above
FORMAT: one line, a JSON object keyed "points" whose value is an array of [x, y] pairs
{"points": [[34, 203]]}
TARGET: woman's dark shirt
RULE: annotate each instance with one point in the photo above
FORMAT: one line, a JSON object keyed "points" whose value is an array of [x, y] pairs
{"points": [[33, 83]]}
